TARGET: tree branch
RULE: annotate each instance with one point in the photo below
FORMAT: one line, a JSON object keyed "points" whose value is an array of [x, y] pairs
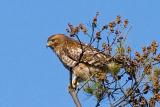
{"points": [[72, 92]]}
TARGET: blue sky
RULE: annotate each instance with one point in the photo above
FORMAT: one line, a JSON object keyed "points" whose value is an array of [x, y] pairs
{"points": [[30, 74]]}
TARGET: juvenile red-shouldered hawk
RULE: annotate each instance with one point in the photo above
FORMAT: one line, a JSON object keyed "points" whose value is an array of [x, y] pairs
{"points": [[82, 60]]}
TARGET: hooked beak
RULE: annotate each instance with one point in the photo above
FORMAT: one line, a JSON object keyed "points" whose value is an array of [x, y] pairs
{"points": [[48, 44]]}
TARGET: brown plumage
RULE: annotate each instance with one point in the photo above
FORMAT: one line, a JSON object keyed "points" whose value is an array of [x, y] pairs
{"points": [[84, 60]]}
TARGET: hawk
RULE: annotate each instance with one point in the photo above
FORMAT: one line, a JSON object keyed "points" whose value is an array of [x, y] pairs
{"points": [[80, 59]]}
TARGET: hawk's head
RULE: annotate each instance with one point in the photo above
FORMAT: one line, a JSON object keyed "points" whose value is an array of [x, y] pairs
{"points": [[56, 40]]}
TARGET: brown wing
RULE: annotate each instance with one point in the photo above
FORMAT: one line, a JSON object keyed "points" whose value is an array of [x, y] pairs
{"points": [[90, 55]]}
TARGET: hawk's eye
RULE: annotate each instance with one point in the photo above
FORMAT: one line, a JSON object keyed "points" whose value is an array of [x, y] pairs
{"points": [[53, 40]]}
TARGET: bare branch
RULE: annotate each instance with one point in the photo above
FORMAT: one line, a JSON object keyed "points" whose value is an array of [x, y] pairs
{"points": [[74, 96]]}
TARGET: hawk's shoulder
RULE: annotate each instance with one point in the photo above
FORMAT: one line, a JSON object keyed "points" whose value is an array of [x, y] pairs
{"points": [[84, 53]]}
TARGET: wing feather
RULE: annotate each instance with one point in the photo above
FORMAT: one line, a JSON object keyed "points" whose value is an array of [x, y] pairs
{"points": [[90, 55]]}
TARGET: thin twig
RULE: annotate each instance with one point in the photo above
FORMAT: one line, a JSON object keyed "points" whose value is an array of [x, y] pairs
{"points": [[136, 84], [127, 33]]}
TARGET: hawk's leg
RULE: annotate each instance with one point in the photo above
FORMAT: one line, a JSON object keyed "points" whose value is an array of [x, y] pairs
{"points": [[70, 78], [73, 80]]}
